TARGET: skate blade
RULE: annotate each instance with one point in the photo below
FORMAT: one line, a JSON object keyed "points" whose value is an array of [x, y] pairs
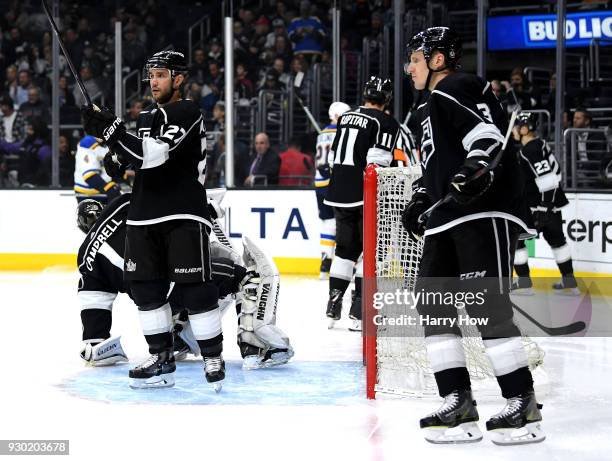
{"points": [[523, 292], [530, 433], [217, 386], [355, 326], [156, 382], [464, 433], [331, 322], [568, 292]]}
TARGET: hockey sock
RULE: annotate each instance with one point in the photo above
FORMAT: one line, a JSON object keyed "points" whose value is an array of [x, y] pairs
{"points": [[338, 284], [566, 268], [206, 327], [96, 324], [356, 305], [515, 383], [522, 270], [159, 342]]}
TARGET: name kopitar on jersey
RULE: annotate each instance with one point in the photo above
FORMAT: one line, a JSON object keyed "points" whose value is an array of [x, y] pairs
{"points": [[352, 119], [101, 237]]}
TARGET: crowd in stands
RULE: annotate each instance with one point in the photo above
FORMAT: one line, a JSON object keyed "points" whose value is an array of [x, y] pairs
{"points": [[273, 41]]}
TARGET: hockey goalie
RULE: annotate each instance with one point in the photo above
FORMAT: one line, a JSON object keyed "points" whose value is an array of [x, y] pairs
{"points": [[250, 281]]}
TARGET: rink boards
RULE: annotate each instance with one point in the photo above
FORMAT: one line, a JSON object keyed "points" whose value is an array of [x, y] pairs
{"points": [[37, 229]]}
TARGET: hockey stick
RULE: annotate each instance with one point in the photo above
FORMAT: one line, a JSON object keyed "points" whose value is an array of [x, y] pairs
{"points": [[491, 166], [297, 83], [553, 331], [75, 74]]}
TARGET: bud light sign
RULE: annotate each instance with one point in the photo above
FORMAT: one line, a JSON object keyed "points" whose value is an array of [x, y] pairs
{"points": [[540, 31]]}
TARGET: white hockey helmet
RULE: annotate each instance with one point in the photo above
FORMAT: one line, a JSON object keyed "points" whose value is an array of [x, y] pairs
{"points": [[336, 109]]}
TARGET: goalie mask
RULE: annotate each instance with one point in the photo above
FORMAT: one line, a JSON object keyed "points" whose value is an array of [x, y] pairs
{"points": [[88, 212]]}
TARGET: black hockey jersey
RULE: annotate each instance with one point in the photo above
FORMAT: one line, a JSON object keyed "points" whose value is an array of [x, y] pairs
{"points": [[363, 136], [100, 259], [169, 155], [543, 176], [463, 119]]}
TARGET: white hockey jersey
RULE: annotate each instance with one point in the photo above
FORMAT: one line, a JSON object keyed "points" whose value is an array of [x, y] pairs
{"points": [[323, 160], [88, 164]]}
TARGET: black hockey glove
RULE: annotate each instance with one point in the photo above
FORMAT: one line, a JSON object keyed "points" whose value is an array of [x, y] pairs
{"points": [[419, 203], [542, 218], [112, 193], [472, 180], [113, 166], [102, 123]]}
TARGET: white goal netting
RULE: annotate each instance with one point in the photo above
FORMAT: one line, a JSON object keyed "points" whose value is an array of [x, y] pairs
{"points": [[401, 365]]}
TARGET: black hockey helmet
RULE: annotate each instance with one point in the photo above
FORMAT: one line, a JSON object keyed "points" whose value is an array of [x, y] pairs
{"points": [[378, 90], [172, 60], [527, 119], [88, 212], [442, 39]]}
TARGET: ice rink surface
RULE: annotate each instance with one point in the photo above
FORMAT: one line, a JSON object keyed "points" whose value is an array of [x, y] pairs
{"points": [[312, 409]]}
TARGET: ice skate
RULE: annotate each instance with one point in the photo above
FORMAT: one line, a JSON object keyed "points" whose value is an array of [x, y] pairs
{"points": [[567, 286], [355, 325], [334, 307], [355, 312], [522, 286], [157, 371], [214, 370], [455, 421], [518, 423]]}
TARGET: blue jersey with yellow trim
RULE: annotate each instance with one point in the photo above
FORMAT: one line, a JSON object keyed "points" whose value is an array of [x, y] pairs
{"points": [[88, 163]]}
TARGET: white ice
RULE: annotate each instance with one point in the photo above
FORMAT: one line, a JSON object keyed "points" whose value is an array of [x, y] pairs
{"points": [[313, 409]]}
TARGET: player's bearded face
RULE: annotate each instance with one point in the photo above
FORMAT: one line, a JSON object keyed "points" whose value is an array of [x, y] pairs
{"points": [[161, 85], [417, 69]]}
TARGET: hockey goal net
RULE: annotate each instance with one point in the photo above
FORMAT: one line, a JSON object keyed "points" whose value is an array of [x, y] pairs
{"points": [[395, 355]]}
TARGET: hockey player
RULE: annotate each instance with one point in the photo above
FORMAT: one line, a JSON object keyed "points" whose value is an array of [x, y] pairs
{"points": [[90, 178], [168, 222], [365, 135], [323, 164], [468, 242], [545, 198], [100, 262]]}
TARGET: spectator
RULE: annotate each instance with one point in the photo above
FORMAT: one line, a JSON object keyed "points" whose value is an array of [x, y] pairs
{"points": [[136, 106], [74, 46], [216, 50], [306, 32], [24, 81], [272, 82], [265, 163], [361, 17], [91, 59], [591, 145], [91, 85], [281, 48], [66, 98], [34, 151], [12, 128], [34, 107], [10, 83], [375, 31], [213, 87], [496, 88], [199, 68], [244, 86], [216, 165], [278, 30], [279, 66], [219, 116], [260, 36], [296, 168], [66, 165], [519, 93], [134, 52]]}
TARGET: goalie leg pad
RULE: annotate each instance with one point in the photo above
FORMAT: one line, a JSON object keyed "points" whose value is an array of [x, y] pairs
{"points": [[106, 353]]}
